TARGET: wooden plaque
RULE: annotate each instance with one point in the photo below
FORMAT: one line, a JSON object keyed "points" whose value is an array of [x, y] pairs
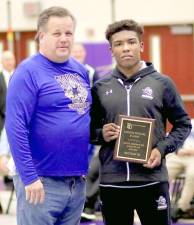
{"points": [[135, 139]]}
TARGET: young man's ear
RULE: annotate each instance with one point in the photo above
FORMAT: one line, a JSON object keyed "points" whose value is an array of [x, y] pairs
{"points": [[110, 48], [141, 46]]}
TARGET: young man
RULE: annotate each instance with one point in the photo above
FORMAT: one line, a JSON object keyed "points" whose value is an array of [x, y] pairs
{"points": [[135, 88], [47, 123]]}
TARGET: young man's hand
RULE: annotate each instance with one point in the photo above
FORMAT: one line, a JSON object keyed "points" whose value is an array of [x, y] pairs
{"points": [[154, 160], [110, 132]]}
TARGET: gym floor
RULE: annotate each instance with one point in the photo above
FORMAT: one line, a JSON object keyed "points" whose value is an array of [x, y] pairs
{"points": [[10, 218]]}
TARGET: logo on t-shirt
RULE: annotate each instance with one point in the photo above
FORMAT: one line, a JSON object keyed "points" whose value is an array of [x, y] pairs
{"points": [[75, 90]]}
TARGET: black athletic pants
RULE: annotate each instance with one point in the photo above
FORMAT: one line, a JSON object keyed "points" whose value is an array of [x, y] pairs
{"points": [[152, 204]]}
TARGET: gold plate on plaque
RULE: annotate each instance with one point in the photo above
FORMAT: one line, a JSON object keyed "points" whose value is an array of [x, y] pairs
{"points": [[135, 139]]}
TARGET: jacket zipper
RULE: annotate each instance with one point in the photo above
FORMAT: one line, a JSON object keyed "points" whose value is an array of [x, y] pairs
{"points": [[128, 89]]}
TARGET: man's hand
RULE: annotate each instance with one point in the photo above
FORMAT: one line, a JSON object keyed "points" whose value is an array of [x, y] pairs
{"points": [[35, 192], [186, 152], [110, 132], [3, 165], [154, 160]]}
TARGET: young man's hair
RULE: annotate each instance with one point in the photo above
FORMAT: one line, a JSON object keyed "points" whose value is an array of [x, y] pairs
{"points": [[47, 13], [130, 25]]}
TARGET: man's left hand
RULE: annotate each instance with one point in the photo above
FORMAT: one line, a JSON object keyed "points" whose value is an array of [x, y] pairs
{"points": [[154, 160]]}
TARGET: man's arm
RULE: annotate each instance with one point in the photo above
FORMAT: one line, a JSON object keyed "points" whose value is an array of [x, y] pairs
{"points": [[97, 120], [176, 114], [21, 101]]}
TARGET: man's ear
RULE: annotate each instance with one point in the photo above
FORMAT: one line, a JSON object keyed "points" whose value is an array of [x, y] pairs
{"points": [[110, 48], [141, 46], [41, 35]]}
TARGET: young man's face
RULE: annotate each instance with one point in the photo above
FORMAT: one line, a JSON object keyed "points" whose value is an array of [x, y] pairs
{"points": [[57, 38], [126, 49]]}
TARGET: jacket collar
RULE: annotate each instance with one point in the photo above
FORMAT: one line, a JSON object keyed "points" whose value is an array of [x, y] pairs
{"points": [[141, 73]]}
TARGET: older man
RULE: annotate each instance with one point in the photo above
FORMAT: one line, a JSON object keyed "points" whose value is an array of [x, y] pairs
{"points": [[47, 123]]}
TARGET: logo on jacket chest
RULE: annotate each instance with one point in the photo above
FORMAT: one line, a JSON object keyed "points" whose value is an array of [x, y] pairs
{"points": [[147, 93], [108, 92]]}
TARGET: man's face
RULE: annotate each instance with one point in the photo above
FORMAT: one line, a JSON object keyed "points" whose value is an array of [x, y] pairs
{"points": [[8, 62], [126, 49], [78, 52], [57, 38]]}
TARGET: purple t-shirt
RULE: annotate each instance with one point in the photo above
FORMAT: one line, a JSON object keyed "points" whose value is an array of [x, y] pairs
{"points": [[47, 118]]}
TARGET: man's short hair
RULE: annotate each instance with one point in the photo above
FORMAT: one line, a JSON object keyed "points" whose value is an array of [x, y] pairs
{"points": [[52, 11], [118, 26]]}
